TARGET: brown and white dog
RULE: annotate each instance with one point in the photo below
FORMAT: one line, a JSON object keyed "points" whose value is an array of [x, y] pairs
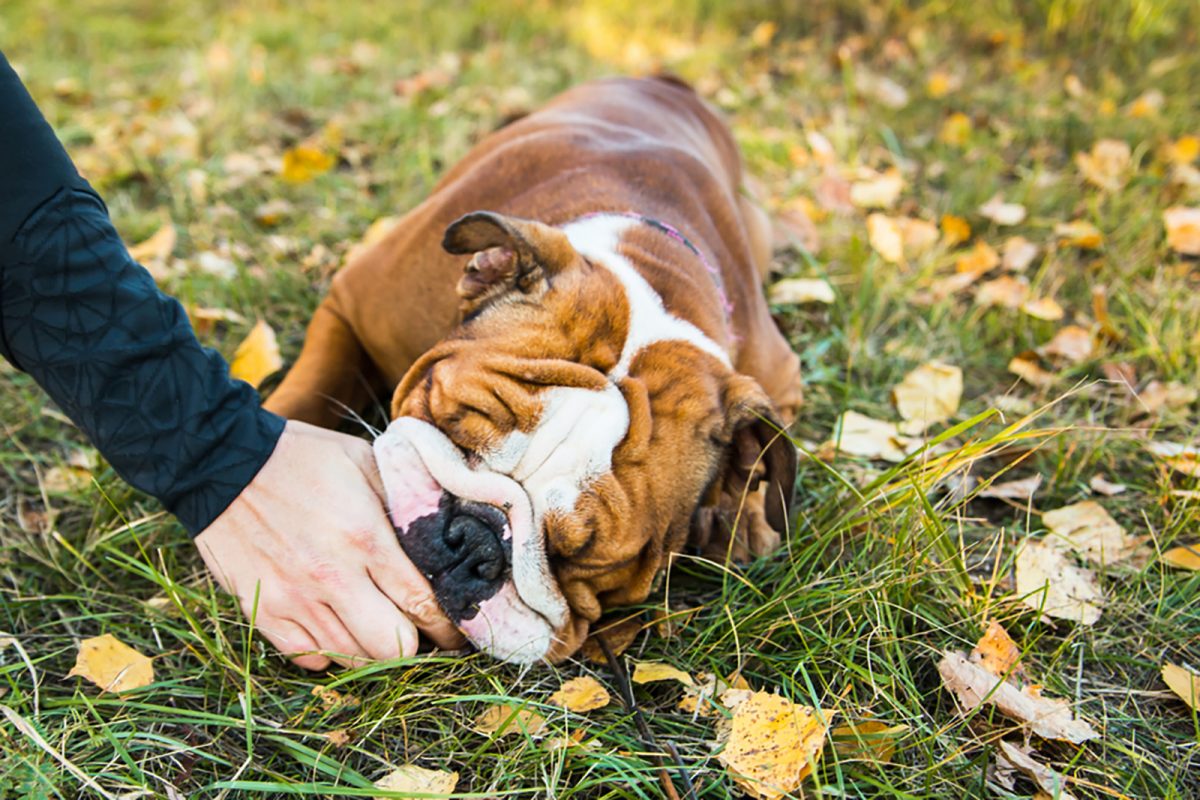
{"points": [[598, 386]]}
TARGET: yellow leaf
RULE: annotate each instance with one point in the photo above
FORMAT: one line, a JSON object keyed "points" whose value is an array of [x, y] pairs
{"points": [[304, 162], [1148, 104], [1079, 233], [205, 319], [772, 745], [1183, 458], [1183, 150], [886, 238], [859, 435], [1017, 254], [1003, 213], [955, 130], [801, 290], [581, 694], [871, 740], [257, 356], [66, 479], [929, 394], [1183, 229], [878, 190], [1022, 489], [1184, 683], [272, 212], [1005, 291], [700, 699], [653, 671], [1046, 308], [1072, 343], [1107, 165], [1028, 370], [112, 665], [918, 234], [332, 698], [996, 651], [503, 720], [419, 781], [955, 229], [980, 259], [154, 252], [1184, 557], [764, 32], [1047, 581], [1157, 395], [941, 83]]}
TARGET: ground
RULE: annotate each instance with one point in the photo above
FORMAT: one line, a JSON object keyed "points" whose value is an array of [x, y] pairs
{"points": [[182, 111]]}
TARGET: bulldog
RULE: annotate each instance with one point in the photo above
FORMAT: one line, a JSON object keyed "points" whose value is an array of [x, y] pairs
{"points": [[584, 374]]}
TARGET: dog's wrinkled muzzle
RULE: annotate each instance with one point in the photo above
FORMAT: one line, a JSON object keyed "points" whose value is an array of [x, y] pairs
{"points": [[471, 532]]}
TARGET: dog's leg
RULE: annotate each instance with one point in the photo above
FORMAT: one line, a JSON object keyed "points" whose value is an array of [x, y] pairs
{"points": [[333, 377]]}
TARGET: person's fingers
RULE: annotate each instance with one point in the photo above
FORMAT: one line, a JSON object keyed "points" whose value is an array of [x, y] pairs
{"points": [[290, 639], [334, 638], [376, 624], [363, 455], [404, 585]]}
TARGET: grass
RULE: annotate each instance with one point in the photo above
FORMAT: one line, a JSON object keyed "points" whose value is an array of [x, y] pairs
{"points": [[884, 571]]}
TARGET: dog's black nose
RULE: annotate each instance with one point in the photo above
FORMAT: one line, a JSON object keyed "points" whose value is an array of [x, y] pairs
{"points": [[462, 550]]}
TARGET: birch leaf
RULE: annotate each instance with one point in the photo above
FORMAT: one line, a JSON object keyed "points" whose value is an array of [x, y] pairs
{"points": [[1047, 581], [112, 665]]}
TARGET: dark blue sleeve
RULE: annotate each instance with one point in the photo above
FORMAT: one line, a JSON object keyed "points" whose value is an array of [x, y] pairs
{"points": [[116, 354]]}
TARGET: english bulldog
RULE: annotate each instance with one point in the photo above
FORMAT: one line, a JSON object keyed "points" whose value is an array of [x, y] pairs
{"points": [[584, 374]]}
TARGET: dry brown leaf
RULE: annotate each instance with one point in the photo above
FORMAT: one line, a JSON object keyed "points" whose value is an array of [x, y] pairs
{"points": [[1017, 254], [879, 190], [1028, 370], [1072, 343], [581, 694], [1047, 717], [928, 395], [504, 720], [1101, 485], [981, 258], [955, 229], [794, 224], [885, 237], [1006, 291], [1158, 395], [112, 665], [273, 212], [1022, 489], [801, 290], [1003, 213], [1185, 557], [339, 738], [1184, 683], [1183, 229], [154, 252], [996, 651], [205, 319], [1107, 165], [870, 740], [1089, 530], [333, 699], [859, 435], [304, 162], [952, 284], [418, 780], [1047, 581], [66, 479], [1184, 458], [257, 356], [654, 671], [772, 744], [1043, 308], [1050, 781], [1079, 233], [919, 235], [701, 698]]}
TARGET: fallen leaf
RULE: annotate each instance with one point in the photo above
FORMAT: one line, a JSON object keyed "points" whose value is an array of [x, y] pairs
{"points": [[996, 651], [1017, 254], [877, 191], [418, 780], [205, 319], [955, 130], [1158, 395], [772, 745], [701, 697], [794, 225], [982, 258], [1183, 229], [955, 229], [919, 235], [886, 238], [881, 88], [154, 252], [304, 162], [1072, 343], [1022, 489], [940, 83], [112, 665], [952, 284], [654, 671], [1079, 233], [217, 265], [1031, 372], [257, 356], [339, 738], [764, 32], [1006, 292], [1050, 781], [1184, 683], [1101, 485], [581, 694], [272, 212], [1183, 150], [1047, 581], [1185, 557], [1003, 213], [66, 479], [870, 740], [504, 720], [801, 290], [1147, 104], [1107, 165], [859, 435], [332, 699], [929, 394], [1183, 458], [1043, 308], [973, 685]]}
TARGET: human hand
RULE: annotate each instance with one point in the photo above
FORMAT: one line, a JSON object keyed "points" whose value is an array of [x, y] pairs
{"points": [[312, 530]]}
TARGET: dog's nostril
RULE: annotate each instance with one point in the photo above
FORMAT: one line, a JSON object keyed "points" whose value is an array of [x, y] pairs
{"points": [[490, 569]]}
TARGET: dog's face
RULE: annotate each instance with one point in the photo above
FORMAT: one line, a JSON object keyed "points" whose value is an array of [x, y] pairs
{"points": [[548, 455]]}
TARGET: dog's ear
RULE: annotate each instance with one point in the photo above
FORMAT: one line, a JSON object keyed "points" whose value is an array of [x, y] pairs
{"points": [[508, 253], [751, 498]]}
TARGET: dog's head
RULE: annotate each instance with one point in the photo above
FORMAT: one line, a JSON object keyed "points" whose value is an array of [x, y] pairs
{"points": [[548, 455]]}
